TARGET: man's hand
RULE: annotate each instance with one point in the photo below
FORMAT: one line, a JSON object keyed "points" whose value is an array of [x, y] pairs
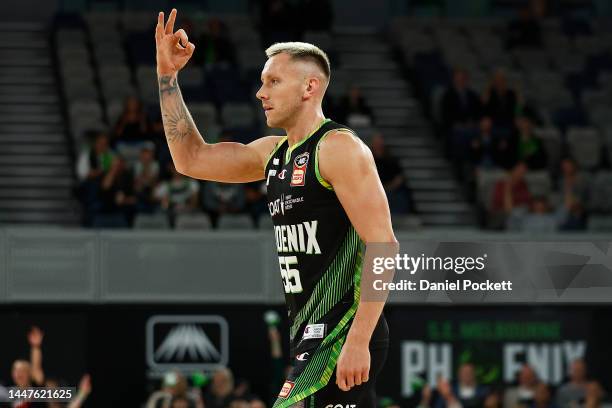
{"points": [[173, 48], [353, 366], [35, 337]]}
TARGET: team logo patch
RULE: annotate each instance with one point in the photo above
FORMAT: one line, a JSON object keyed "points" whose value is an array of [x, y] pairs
{"points": [[286, 390], [298, 177], [314, 331]]}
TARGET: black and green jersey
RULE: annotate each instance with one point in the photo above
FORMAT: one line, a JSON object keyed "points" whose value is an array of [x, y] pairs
{"points": [[320, 258]]}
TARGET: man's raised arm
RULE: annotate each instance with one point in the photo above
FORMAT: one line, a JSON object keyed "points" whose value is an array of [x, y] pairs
{"points": [[192, 156]]}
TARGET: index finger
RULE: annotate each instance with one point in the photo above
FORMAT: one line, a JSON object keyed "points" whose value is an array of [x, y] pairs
{"points": [[170, 24]]}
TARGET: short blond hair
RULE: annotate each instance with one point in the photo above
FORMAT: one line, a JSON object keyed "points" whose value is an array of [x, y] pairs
{"points": [[302, 51]]}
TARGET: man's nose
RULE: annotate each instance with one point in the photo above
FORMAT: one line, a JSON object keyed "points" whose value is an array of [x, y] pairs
{"points": [[260, 94]]}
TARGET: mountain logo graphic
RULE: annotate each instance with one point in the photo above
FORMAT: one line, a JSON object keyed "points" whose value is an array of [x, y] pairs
{"points": [[187, 339], [187, 342]]}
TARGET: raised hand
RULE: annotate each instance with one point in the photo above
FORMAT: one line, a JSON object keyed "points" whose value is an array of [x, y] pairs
{"points": [[85, 384], [35, 337], [173, 48]]}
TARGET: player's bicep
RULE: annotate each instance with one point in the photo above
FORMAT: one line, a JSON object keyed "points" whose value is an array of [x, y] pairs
{"points": [[348, 165], [231, 162]]}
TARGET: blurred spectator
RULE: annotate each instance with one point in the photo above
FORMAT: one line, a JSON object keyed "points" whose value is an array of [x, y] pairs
{"points": [[178, 195], [353, 109], [146, 175], [28, 373], [132, 125], [257, 403], [467, 393], [117, 194], [391, 176], [93, 163], [215, 47], [222, 198], [460, 104], [571, 182], [175, 393], [255, 200], [323, 11], [542, 397], [523, 393], [594, 395], [524, 31], [493, 400], [83, 392], [499, 101], [158, 136], [542, 217], [426, 397], [530, 147], [238, 403], [512, 191], [488, 150], [573, 393], [221, 389]]}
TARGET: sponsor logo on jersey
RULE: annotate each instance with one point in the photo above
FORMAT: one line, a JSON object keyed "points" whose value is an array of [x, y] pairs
{"points": [[285, 203], [341, 406], [282, 174], [297, 238], [301, 357], [277, 206], [314, 331], [286, 389], [298, 177]]}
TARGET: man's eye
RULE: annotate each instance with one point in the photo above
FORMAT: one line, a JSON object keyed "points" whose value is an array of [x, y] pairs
{"points": [[275, 81]]}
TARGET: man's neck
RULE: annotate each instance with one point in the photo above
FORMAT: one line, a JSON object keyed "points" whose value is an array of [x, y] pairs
{"points": [[304, 126]]}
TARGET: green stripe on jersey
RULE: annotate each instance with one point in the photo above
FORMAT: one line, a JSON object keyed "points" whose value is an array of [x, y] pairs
{"points": [[321, 367], [334, 283]]}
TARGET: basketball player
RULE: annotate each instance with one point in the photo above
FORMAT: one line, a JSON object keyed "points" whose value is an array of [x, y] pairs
{"points": [[326, 202]]}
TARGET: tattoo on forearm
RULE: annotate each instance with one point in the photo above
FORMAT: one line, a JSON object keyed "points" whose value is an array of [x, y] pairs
{"points": [[177, 121]]}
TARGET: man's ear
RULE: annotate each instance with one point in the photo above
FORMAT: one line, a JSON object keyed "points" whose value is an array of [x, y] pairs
{"points": [[312, 87]]}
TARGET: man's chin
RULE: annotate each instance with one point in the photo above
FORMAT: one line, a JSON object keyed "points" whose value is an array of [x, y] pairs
{"points": [[272, 123]]}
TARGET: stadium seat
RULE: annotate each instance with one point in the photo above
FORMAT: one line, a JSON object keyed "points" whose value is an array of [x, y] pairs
{"points": [[203, 114], [601, 192], [585, 146], [236, 115], [152, 222], [551, 138], [600, 223], [406, 222], [235, 222], [193, 222], [538, 183], [486, 183]]}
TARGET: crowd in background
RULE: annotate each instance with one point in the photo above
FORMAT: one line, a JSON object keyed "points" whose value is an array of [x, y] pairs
{"points": [[496, 129], [128, 170], [528, 392], [29, 373]]}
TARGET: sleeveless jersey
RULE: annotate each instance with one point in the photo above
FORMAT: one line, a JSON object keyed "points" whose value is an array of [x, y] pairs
{"points": [[320, 258]]}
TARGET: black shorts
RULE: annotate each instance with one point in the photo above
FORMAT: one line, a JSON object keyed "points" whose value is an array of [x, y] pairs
{"points": [[329, 395], [360, 396]]}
